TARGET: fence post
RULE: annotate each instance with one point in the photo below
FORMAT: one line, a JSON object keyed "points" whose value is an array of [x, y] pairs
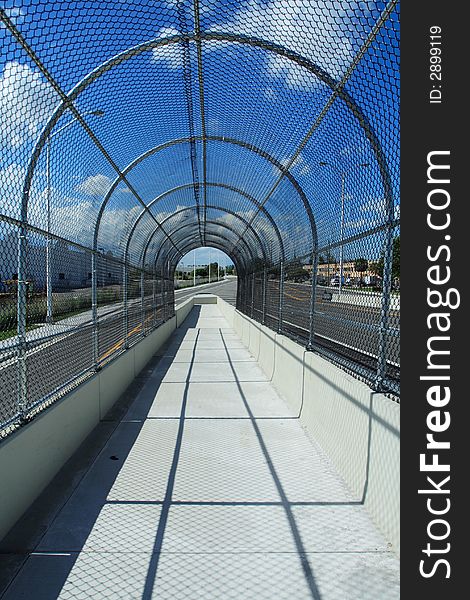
{"points": [[21, 324], [125, 294], [163, 293], [384, 311], [171, 286], [253, 279], [265, 285], [142, 301], [94, 309], [154, 297], [313, 291], [281, 297]]}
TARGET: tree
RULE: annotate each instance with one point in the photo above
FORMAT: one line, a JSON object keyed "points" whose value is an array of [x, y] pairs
{"points": [[378, 267], [294, 271], [202, 272], [361, 265]]}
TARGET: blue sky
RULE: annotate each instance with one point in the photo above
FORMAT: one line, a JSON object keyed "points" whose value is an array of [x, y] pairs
{"points": [[204, 255], [250, 94]]}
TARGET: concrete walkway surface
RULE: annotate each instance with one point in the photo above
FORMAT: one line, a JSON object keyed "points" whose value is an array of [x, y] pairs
{"points": [[209, 488]]}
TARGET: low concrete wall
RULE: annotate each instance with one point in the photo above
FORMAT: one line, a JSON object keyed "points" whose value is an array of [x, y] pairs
{"points": [[183, 310], [357, 428], [205, 299], [32, 456]]}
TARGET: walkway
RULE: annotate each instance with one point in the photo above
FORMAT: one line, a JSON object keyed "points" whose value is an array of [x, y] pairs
{"points": [[209, 488]]}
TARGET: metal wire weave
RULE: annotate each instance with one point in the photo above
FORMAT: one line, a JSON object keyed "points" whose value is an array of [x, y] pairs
{"points": [[132, 133]]}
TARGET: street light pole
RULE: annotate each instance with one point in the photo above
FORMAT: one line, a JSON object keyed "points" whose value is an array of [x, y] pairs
{"points": [[49, 315], [341, 266], [343, 187], [49, 318]]}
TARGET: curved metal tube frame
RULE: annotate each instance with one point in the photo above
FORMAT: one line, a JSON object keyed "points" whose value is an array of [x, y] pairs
{"points": [[189, 208]]}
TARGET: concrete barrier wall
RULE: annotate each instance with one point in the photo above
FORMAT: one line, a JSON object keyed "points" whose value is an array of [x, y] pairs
{"points": [[183, 311], [357, 428], [32, 456]]}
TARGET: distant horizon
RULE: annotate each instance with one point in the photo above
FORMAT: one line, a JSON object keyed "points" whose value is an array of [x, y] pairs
{"points": [[202, 258]]}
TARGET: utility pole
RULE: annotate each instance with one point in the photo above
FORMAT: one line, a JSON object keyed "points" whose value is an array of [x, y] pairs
{"points": [[49, 315], [343, 185]]}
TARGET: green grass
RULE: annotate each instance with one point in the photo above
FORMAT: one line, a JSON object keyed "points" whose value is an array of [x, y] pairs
{"points": [[5, 335], [65, 306]]}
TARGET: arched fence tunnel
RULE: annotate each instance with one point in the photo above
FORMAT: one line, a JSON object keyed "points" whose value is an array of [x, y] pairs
{"points": [[281, 149], [133, 133]]}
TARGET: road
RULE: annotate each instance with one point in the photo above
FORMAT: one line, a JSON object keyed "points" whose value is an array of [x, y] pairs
{"points": [[63, 352], [342, 327], [347, 324]]}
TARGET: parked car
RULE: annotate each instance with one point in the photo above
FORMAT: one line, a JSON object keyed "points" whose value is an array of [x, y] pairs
{"points": [[335, 281]]}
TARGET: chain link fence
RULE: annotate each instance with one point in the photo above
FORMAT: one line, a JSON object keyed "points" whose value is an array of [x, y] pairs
{"points": [[132, 133]]}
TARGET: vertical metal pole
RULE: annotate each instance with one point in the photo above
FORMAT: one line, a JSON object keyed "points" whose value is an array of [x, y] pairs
{"points": [[252, 294], [154, 297], [343, 177], [281, 297], [142, 301], [209, 265], [94, 309], [49, 317], [163, 293], [311, 332], [21, 323], [125, 294], [265, 285], [170, 290], [194, 269], [247, 279], [385, 308]]}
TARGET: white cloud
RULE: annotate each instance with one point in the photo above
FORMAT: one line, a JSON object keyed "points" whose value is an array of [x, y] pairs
{"points": [[301, 165], [15, 14], [270, 94], [95, 185], [170, 55], [316, 31], [11, 184], [378, 208], [26, 103]]}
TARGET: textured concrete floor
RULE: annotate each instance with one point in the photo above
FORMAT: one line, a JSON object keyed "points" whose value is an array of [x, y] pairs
{"points": [[209, 488]]}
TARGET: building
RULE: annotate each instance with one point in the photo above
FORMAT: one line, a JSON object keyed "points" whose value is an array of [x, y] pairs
{"points": [[70, 267], [326, 271]]}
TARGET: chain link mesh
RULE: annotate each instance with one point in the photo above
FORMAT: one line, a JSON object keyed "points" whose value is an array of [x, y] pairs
{"points": [[132, 133]]}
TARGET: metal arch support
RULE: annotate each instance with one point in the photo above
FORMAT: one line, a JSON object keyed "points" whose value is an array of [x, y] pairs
{"points": [[240, 256], [226, 240], [216, 185], [338, 90], [193, 207], [175, 255], [224, 226], [208, 36], [235, 258], [236, 142], [213, 244], [191, 245]]}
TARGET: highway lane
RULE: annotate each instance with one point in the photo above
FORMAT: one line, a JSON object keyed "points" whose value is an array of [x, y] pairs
{"points": [[347, 324], [64, 352], [349, 329], [226, 289]]}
